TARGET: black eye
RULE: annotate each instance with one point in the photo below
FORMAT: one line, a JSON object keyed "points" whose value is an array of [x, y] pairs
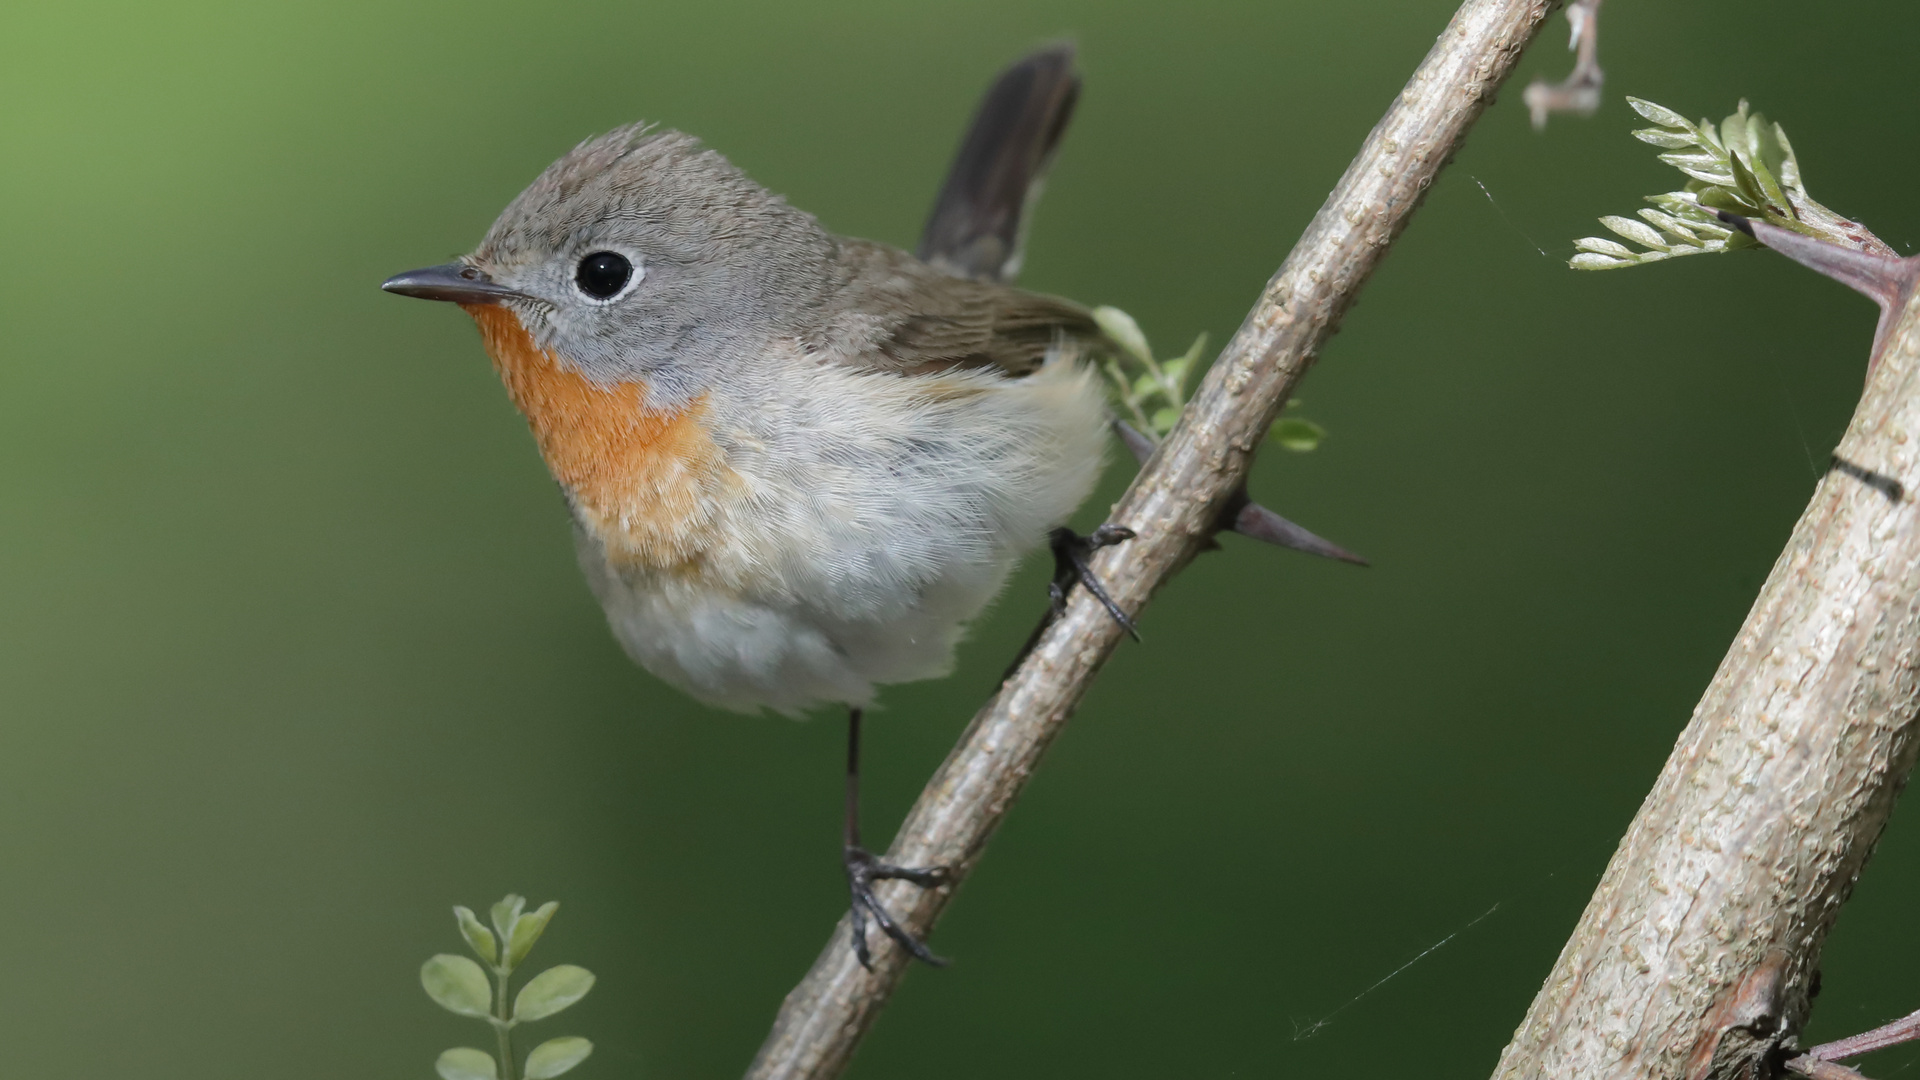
{"points": [[603, 274]]}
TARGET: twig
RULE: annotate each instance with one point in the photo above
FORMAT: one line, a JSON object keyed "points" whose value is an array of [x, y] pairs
{"points": [[1819, 1062], [1580, 91], [1768, 808], [1905, 1029], [1820, 1069], [1174, 505]]}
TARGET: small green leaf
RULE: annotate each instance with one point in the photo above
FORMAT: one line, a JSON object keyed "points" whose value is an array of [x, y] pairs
{"points": [[528, 930], [1691, 231], [1666, 140], [1637, 231], [1718, 177], [1698, 158], [1297, 435], [465, 1063], [1789, 163], [1733, 131], [1659, 114], [1720, 198], [555, 1056], [552, 990], [1588, 260], [1754, 182], [1685, 203], [1164, 419], [457, 984], [1125, 333], [506, 913], [1668, 225], [1600, 245], [1702, 167], [479, 938]]}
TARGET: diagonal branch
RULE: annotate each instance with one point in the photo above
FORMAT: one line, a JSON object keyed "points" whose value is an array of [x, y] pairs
{"points": [[1696, 955], [1174, 505]]}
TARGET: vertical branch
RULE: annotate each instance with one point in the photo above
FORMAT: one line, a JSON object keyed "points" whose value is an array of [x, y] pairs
{"points": [[1695, 955], [1175, 505]]}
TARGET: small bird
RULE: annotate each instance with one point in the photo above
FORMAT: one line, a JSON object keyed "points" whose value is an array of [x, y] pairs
{"points": [[797, 464]]}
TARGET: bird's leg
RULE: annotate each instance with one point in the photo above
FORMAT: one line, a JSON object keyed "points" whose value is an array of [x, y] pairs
{"points": [[1070, 554], [863, 869]]}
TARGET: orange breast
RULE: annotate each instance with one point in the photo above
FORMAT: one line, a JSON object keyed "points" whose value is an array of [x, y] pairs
{"points": [[647, 481]]}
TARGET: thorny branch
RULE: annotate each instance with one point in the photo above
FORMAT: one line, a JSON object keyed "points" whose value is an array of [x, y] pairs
{"points": [[1696, 955], [1175, 506], [1579, 92]]}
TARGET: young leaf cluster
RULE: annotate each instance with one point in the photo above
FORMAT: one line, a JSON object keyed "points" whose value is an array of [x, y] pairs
{"points": [[1150, 393], [1745, 166], [461, 986]]}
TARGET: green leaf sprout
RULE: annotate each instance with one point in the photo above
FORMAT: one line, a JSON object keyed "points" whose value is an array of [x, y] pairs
{"points": [[461, 986], [1150, 393], [550, 991], [1746, 166], [465, 1063], [555, 1056]]}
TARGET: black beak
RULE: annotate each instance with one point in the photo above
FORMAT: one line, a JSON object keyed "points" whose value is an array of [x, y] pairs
{"points": [[457, 282]]}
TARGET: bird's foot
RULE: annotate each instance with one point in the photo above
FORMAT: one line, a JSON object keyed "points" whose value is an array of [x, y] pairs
{"points": [[863, 869], [1070, 554]]}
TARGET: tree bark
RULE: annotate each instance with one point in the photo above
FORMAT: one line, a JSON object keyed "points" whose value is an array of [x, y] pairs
{"points": [[1696, 954], [1174, 505]]}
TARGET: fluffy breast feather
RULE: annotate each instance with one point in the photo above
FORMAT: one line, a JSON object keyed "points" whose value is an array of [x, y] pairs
{"points": [[648, 483], [810, 529]]}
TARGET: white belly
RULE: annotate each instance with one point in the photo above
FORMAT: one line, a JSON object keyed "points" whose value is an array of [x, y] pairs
{"points": [[876, 520]]}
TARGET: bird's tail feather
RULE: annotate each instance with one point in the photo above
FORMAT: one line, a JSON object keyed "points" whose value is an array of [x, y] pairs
{"points": [[978, 224]]}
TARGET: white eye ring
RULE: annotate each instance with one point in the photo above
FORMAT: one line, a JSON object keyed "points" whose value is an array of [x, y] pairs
{"points": [[603, 276]]}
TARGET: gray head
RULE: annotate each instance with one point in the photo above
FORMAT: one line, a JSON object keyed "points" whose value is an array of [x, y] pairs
{"points": [[642, 254]]}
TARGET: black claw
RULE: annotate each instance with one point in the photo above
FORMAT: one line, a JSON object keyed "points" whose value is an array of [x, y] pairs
{"points": [[862, 871], [1070, 552], [930, 877], [857, 915]]}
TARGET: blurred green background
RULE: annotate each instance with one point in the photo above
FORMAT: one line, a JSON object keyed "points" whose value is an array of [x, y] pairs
{"points": [[293, 653]]}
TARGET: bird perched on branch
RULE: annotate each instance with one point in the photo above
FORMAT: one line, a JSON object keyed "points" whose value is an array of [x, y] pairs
{"points": [[797, 464]]}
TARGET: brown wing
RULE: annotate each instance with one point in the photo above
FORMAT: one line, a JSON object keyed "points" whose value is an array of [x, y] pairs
{"points": [[915, 319]]}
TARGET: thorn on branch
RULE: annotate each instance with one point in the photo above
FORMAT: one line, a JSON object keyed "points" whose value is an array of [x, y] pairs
{"points": [[1887, 280], [1580, 91], [1248, 518]]}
